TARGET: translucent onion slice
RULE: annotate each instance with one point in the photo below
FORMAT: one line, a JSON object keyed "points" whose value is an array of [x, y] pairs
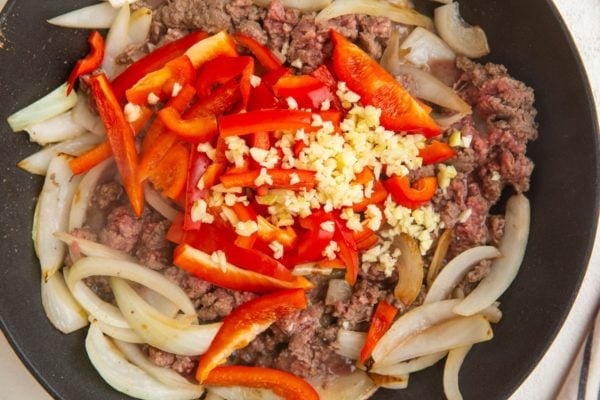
{"points": [[460, 36], [447, 335], [126, 377], [349, 343], [424, 46], [410, 269], [503, 270], [210, 395], [376, 8], [407, 367], [51, 105], [356, 386], [451, 370], [429, 88], [159, 203], [54, 205], [116, 42], [242, 393], [165, 375], [492, 313], [439, 255], [61, 308], [159, 302], [83, 116], [456, 269], [38, 162], [390, 382], [97, 266], [310, 268], [122, 334], [83, 196], [392, 56], [302, 5], [337, 290], [93, 249], [97, 16], [139, 25], [120, 3], [158, 330], [56, 129]]}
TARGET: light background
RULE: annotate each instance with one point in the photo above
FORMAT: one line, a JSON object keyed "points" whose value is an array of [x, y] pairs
{"points": [[583, 19]]}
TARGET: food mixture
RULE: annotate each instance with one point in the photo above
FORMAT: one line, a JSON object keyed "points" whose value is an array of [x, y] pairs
{"points": [[304, 206]]}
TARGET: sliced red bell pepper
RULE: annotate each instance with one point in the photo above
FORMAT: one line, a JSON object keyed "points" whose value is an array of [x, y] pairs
{"points": [[283, 384], [363, 75], [411, 197], [378, 196], [121, 139], [170, 174], [264, 56], [314, 241], [90, 158], [90, 62], [365, 239], [380, 323], [262, 97], [245, 323], [194, 130], [221, 100], [200, 264], [436, 152], [323, 74], [222, 70], [306, 90], [280, 177], [220, 44], [267, 232], [264, 121], [348, 251], [245, 213], [161, 82], [198, 163]]}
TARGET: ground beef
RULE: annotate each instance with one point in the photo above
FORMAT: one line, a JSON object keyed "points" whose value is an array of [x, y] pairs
{"points": [[185, 365]]}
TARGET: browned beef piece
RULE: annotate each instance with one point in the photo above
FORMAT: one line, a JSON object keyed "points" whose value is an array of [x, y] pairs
{"points": [[101, 286], [184, 365], [122, 229], [153, 249]]}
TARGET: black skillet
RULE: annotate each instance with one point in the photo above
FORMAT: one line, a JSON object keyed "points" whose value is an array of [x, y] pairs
{"points": [[527, 36]]}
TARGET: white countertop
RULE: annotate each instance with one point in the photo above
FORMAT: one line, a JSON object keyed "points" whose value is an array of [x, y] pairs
{"points": [[582, 17]]}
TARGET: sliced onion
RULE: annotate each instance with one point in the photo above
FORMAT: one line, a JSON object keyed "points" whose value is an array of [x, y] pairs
{"points": [[302, 5], [210, 395], [123, 334], [56, 129], [451, 370], [159, 203], [242, 393], [446, 121], [439, 255], [376, 8], [355, 386], [392, 55], [61, 308], [51, 105], [492, 313], [158, 330], [164, 375], [120, 3], [93, 249], [424, 46], [390, 382], [160, 302], [83, 196], [456, 269], [503, 270], [310, 268], [432, 89], [410, 269], [126, 377], [407, 367], [116, 42], [350, 343], [460, 36], [54, 205], [139, 25], [97, 16], [447, 335], [38, 162], [83, 116], [97, 266], [337, 290]]}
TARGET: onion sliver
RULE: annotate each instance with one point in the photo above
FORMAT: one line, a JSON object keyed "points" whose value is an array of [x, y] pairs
{"points": [[439, 255], [408, 367], [38, 162], [159, 302], [97, 16], [503, 270], [97, 266], [447, 335], [85, 191], [116, 42], [456, 269], [54, 205], [460, 36], [451, 369], [139, 25], [123, 334], [410, 269], [120, 3], [158, 330], [302, 5], [310, 268], [56, 129], [425, 46], [159, 203], [243, 393], [337, 290], [429, 88], [210, 395], [51, 105], [446, 121], [390, 382], [93, 249], [126, 377], [355, 386], [376, 8], [391, 56], [83, 116], [165, 375], [350, 343], [61, 308]]}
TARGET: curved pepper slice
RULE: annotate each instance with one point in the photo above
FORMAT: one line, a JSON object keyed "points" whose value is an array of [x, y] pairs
{"points": [[170, 174], [245, 323], [284, 384], [348, 250], [316, 238], [436, 152], [220, 44], [222, 70], [90, 62], [363, 75], [411, 197], [194, 130], [308, 91], [380, 322]]}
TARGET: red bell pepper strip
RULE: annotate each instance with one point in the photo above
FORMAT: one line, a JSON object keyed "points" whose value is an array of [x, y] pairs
{"points": [[411, 197], [198, 163], [121, 139], [200, 264], [161, 82], [436, 152], [308, 91], [221, 100], [139, 124], [89, 63], [380, 322], [363, 75], [323, 74], [245, 323], [378, 196], [264, 121], [194, 130], [153, 61], [245, 213], [220, 44], [264, 56], [90, 158], [283, 384], [222, 70], [267, 232], [170, 174], [367, 243], [348, 251], [280, 177], [314, 241]]}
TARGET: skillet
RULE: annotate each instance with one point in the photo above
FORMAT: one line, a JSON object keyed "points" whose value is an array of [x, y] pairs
{"points": [[528, 37]]}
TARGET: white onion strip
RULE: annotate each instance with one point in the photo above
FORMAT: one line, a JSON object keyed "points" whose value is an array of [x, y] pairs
{"points": [[61, 308], [93, 249], [139, 25], [355, 386], [116, 42], [407, 367], [96, 16], [349, 343], [122, 334], [302, 5], [55, 129], [126, 377], [460, 36], [503, 270], [451, 370], [425, 46], [456, 269], [83, 116], [159, 203], [242, 393], [158, 330]]}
